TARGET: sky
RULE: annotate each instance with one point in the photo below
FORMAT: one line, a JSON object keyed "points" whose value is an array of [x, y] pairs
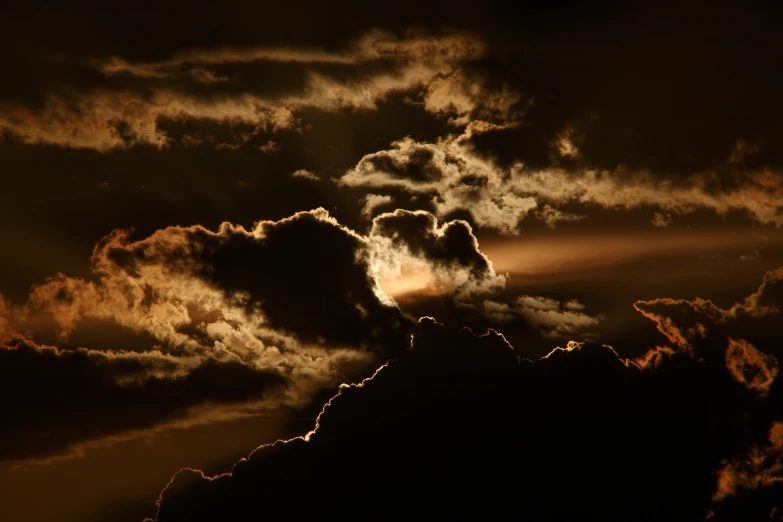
{"points": [[361, 260]]}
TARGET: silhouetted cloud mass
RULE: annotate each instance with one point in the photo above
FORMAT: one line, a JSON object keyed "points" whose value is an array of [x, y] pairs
{"points": [[266, 317], [461, 426], [256, 319]]}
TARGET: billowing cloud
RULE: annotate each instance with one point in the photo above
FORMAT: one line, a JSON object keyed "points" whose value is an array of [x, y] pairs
{"points": [[447, 178], [268, 277], [456, 407], [291, 306], [445, 256], [473, 121], [741, 339], [690, 324], [296, 302]]}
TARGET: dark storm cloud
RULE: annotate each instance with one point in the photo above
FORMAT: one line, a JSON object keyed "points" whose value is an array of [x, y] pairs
{"points": [[743, 339], [152, 115], [277, 274], [296, 299], [263, 319], [461, 427], [56, 398]]}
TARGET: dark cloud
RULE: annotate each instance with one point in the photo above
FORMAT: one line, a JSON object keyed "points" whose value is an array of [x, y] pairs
{"points": [[297, 300], [669, 88], [636, 80], [743, 340], [479, 121], [44, 217], [270, 277], [699, 325], [306, 266], [57, 398], [461, 427], [290, 307]]}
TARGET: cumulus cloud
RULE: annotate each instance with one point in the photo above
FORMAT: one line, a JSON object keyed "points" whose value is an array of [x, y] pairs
{"points": [[760, 467], [268, 277], [447, 177], [294, 303], [448, 254], [569, 426]]}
